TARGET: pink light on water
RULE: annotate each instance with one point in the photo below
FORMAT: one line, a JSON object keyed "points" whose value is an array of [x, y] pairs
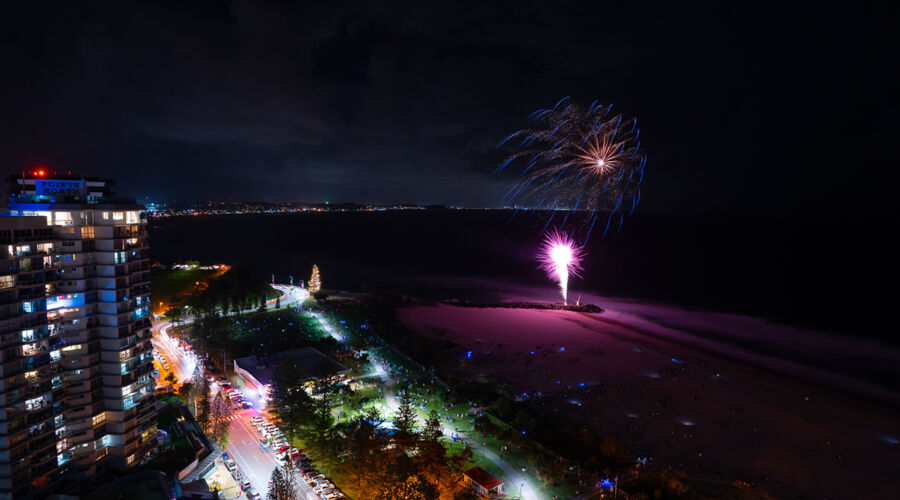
{"points": [[560, 257]]}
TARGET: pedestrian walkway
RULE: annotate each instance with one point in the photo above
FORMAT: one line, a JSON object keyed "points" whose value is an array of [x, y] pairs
{"points": [[222, 478], [515, 480]]}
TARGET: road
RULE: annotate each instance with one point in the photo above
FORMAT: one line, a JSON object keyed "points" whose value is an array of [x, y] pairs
{"points": [[256, 461], [183, 365]]}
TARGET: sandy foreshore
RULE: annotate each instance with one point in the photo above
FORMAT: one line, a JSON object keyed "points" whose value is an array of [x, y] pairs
{"points": [[732, 397]]}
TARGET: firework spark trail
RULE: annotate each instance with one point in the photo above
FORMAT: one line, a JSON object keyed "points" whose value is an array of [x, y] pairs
{"points": [[577, 159], [560, 258]]}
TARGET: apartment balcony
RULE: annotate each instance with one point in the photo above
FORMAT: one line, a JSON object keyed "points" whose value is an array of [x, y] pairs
{"points": [[9, 354], [34, 349], [12, 382], [41, 430], [140, 278], [139, 266], [133, 245], [12, 370], [7, 264], [82, 361], [16, 469], [9, 297], [36, 362], [37, 389], [80, 336], [31, 279], [64, 457], [39, 414], [44, 453], [14, 439], [15, 425], [30, 294], [9, 398]]}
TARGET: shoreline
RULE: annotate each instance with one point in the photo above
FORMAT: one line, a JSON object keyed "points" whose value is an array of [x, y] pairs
{"points": [[732, 405]]}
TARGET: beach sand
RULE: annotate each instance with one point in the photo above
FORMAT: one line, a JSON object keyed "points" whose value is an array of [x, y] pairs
{"points": [[729, 397]]}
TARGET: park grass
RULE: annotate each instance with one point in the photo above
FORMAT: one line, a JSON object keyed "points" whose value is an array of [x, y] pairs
{"points": [[173, 286]]}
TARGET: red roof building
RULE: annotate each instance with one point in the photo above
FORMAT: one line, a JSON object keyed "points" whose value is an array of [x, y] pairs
{"points": [[350, 353], [483, 481]]}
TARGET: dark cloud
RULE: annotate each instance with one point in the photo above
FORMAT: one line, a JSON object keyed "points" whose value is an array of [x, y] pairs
{"points": [[742, 110]]}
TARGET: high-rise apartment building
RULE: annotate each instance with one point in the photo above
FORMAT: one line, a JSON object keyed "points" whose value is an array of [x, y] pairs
{"points": [[32, 380], [95, 310]]}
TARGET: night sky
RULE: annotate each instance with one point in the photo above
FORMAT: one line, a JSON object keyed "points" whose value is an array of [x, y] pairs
{"points": [[752, 110]]}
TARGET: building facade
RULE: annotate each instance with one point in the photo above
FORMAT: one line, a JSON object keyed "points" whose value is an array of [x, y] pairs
{"points": [[96, 304], [32, 379]]}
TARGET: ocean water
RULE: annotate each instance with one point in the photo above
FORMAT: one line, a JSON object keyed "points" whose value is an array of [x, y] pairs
{"points": [[829, 274]]}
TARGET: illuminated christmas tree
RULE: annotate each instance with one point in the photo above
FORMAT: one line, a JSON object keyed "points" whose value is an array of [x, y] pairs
{"points": [[315, 284]]}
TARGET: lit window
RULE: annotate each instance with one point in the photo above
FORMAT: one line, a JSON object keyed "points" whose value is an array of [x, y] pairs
{"points": [[118, 215], [62, 218], [105, 215], [99, 418]]}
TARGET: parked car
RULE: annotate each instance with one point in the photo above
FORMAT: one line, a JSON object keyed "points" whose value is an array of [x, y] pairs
{"points": [[252, 494], [315, 478], [230, 465], [321, 486]]}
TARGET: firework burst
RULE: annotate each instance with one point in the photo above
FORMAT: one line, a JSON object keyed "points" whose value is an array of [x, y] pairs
{"points": [[579, 165], [560, 258]]}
